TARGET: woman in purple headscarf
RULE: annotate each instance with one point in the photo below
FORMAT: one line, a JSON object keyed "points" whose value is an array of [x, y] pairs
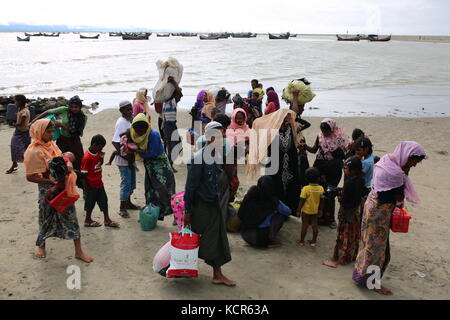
{"points": [[199, 104], [391, 185]]}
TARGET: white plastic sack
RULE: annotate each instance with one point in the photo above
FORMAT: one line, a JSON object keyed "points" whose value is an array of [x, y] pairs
{"points": [[163, 90], [162, 259], [183, 255]]}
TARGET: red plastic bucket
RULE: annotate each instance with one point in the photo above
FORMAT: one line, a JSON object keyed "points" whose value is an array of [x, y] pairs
{"points": [[400, 220], [62, 201]]}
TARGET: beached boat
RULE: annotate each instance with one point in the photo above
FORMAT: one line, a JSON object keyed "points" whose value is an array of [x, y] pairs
{"points": [[210, 37], [279, 37], [376, 38], [33, 34], [162, 35], [89, 37], [135, 37], [339, 38], [23, 39], [115, 34]]}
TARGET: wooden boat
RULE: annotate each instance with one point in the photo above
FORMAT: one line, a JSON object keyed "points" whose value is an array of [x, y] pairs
{"points": [[23, 39], [210, 37], [188, 34], [115, 34], [53, 34], [242, 35], [33, 34], [347, 38], [162, 35], [89, 37], [135, 37], [279, 37], [376, 38]]}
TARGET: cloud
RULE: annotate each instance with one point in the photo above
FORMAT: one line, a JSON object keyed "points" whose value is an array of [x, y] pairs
{"points": [[298, 16]]}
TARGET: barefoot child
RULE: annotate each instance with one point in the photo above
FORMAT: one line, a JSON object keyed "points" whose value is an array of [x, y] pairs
{"points": [[127, 150], [94, 190], [364, 150], [310, 206], [349, 226]]}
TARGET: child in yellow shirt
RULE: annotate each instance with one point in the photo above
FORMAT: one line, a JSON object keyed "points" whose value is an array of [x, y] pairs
{"points": [[310, 206]]}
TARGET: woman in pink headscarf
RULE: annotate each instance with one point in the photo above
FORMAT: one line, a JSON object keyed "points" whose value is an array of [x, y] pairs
{"points": [[391, 185], [331, 145], [238, 133], [273, 102]]}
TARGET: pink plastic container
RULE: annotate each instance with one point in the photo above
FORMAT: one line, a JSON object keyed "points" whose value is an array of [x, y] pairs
{"points": [[177, 204]]}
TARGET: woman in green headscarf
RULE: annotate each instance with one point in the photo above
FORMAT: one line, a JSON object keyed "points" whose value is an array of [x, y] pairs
{"points": [[159, 178]]}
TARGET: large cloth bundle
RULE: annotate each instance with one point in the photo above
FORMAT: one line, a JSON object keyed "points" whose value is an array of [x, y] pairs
{"points": [[183, 254], [164, 90], [305, 94]]}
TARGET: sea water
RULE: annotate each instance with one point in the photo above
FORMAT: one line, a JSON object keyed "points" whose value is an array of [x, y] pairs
{"points": [[362, 78]]}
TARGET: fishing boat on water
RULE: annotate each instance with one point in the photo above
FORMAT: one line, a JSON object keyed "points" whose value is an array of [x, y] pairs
{"points": [[33, 34], [53, 34], [209, 37], [23, 39], [187, 34], [136, 36], [89, 37], [339, 38], [243, 35], [280, 36]]}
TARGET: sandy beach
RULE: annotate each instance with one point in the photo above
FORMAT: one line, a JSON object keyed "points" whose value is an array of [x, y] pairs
{"points": [[123, 258]]}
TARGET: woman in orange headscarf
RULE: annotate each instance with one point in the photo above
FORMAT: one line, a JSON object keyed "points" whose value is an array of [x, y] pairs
{"points": [[209, 104], [36, 160]]}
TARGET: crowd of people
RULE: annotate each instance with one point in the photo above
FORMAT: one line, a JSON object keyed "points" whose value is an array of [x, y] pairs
{"points": [[269, 142]]}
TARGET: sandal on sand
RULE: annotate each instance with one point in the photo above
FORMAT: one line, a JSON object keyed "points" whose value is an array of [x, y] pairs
{"points": [[11, 171], [92, 224], [124, 214], [312, 244], [112, 224], [299, 243]]}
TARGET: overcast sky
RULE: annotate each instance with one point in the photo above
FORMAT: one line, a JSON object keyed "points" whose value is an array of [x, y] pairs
{"points": [[296, 16]]}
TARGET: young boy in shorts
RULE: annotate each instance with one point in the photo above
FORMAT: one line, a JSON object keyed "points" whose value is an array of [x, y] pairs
{"points": [[94, 190]]}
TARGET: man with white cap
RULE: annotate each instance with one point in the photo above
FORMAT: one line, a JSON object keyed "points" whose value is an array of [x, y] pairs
{"points": [[202, 194], [127, 173]]}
